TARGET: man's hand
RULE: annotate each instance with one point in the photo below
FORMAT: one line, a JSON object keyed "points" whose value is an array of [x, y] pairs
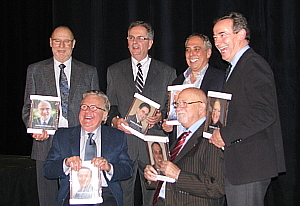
{"points": [[167, 128], [73, 162], [117, 124], [102, 163], [216, 139], [150, 173], [169, 169], [154, 119], [41, 137]]}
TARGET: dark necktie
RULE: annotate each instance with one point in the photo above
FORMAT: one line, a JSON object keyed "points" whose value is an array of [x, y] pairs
{"points": [[139, 82], [173, 155], [64, 91], [90, 148], [227, 71]]}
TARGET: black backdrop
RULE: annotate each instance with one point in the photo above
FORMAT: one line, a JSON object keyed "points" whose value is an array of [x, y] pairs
{"points": [[100, 28]]}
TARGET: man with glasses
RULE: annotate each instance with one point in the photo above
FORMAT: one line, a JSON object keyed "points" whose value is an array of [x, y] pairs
{"points": [[60, 76], [194, 163], [73, 145], [144, 75], [252, 136], [45, 121]]}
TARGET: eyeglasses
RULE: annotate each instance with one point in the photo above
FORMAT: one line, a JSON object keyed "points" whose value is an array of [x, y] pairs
{"points": [[93, 108], [184, 104], [137, 38], [67, 42]]}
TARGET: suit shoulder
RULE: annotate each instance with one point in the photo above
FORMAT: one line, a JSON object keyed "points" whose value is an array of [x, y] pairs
{"points": [[112, 130], [82, 65], [162, 64], [120, 64], [42, 63]]}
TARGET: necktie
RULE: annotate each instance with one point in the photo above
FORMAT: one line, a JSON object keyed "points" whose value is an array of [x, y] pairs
{"points": [[64, 91], [139, 82], [227, 71], [44, 123], [173, 155], [90, 148]]}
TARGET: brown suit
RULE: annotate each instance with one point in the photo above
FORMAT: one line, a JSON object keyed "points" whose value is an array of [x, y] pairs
{"points": [[201, 179]]}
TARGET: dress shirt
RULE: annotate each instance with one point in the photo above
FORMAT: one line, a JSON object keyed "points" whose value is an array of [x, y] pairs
{"points": [[199, 76], [63, 122], [236, 58], [145, 67], [193, 129], [97, 138]]}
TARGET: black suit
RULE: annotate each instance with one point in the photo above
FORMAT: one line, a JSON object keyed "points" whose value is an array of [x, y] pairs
{"points": [[120, 90], [201, 178], [252, 135], [213, 80]]}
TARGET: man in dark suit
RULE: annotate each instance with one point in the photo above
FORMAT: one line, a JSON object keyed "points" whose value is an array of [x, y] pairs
{"points": [[195, 164], [198, 50], [252, 135], [45, 121], [135, 120], [43, 79], [121, 80], [70, 148]]}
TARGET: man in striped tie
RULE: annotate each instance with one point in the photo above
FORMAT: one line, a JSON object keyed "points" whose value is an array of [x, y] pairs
{"points": [[195, 164]]}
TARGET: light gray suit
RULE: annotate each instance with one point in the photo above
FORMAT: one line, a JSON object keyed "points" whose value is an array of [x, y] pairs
{"points": [[41, 81], [120, 90]]}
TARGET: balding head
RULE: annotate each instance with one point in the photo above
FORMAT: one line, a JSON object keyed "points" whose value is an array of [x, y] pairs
{"points": [[191, 106]]}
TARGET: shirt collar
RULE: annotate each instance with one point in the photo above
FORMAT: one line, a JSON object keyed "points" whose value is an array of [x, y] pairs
{"points": [[238, 55], [189, 70]]}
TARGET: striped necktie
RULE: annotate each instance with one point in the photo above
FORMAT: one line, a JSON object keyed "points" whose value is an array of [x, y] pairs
{"points": [[139, 82]]}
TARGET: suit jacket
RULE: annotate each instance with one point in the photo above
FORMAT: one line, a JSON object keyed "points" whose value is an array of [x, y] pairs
{"points": [[41, 81], [254, 149], [121, 88], [66, 143], [213, 80], [132, 121], [201, 178], [37, 122]]}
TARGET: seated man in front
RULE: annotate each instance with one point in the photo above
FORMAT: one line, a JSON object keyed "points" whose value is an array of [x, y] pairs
{"points": [[106, 147]]}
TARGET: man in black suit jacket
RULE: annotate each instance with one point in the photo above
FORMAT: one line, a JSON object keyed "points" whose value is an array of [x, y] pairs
{"points": [[252, 135], [69, 150], [198, 50], [197, 168], [120, 90], [43, 79], [45, 121]]}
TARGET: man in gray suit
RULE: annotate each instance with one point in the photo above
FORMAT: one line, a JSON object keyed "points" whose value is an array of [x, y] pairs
{"points": [[43, 79], [194, 162], [121, 77]]}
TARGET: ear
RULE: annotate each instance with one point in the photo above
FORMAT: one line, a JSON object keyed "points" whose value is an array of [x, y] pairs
{"points": [[150, 44], [50, 41], [208, 53], [242, 34], [74, 41]]}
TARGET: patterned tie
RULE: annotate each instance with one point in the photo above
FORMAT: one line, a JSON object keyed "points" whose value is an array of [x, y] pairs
{"points": [[227, 71], [64, 91], [173, 155], [139, 82], [90, 148]]}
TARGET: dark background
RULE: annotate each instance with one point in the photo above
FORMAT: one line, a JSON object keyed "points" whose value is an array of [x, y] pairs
{"points": [[100, 28]]}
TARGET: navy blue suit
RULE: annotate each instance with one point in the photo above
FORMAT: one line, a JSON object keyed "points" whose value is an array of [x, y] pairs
{"points": [[66, 143]]}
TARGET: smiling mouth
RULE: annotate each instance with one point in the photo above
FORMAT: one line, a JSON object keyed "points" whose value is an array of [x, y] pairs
{"points": [[193, 60], [223, 49]]}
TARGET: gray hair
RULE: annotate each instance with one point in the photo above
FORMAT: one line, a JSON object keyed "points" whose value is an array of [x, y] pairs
{"points": [[239, 23], [99, 94], [147, 26], [205, 39]]}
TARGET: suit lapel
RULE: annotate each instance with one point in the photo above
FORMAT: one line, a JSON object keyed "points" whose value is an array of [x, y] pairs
{"points": [[191, 143], [128, 75], [75, 141], [152, 74], [75, 77], [49, 76]]}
